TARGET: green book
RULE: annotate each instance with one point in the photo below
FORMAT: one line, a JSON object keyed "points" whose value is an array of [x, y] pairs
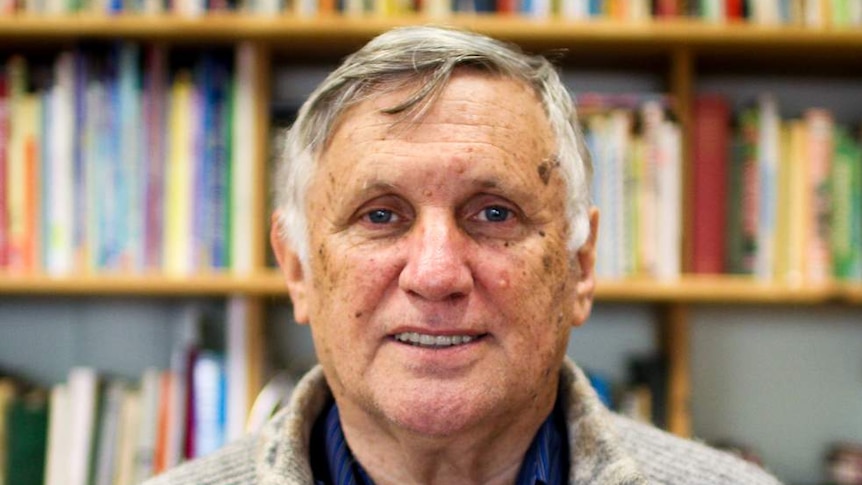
{"points": [[845, 237], [27, 427]]}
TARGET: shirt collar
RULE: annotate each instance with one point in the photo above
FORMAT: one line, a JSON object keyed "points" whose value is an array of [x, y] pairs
{"points": [[545, 463]]}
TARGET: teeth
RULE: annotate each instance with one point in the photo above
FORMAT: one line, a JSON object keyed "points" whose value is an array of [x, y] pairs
{"points": [[424, 340]]}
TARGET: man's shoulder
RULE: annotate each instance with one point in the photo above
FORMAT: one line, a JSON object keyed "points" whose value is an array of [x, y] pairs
{"points": [[668, 459], [232, 464]]}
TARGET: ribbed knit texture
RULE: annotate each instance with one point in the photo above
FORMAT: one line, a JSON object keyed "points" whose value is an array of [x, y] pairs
{"points": [[606, 449]]}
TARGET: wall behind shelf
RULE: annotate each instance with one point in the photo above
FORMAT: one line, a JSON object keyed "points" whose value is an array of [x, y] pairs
{"points": [[41, 338], [786, 380]]}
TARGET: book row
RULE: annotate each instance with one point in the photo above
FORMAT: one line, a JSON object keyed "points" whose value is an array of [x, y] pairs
{"points": [[95, 429], [125, 158], [810, 13], [778, 198], [636, 152]]}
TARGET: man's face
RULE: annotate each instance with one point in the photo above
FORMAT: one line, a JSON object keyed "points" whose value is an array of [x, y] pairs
{"points": [[441, 292]]}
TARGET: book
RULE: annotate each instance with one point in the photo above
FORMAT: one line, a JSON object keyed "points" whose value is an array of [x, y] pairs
{"points": [[7, 396], [209, 403], [236, 362], [820, 150], [153, 106], [5, 133], [130, 427], [799, 205], [105, 449], [769, 122], [59, 192], [711, 142], [59, 435], [27, 431], [148, 435], [847, 213], [243, 173], [179, 179], [83, 390]]}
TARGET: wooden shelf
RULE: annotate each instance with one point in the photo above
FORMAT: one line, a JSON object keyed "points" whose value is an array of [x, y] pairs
{"points": [[714, 289], [288, 32], [144, 286], [852, 292], [688, 289]]}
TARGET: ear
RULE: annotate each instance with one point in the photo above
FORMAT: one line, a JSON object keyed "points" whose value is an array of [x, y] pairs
{"points": [[585, 284], [291, 269]]}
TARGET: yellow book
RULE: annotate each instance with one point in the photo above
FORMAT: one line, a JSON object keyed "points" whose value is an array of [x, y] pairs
{"points": [[178, 184], [782, 209], [798, 204]]}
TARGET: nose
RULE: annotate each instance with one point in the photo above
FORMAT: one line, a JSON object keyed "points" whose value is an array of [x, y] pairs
{"points": [[437, 268]]}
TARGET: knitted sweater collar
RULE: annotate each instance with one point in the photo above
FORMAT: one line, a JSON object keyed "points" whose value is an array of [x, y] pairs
{"points": [[596, 454]]}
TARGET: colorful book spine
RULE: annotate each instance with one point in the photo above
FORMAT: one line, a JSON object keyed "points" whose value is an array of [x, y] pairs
{"points": [[711, 140], [178, 178], [820, 150], [847, 212]]}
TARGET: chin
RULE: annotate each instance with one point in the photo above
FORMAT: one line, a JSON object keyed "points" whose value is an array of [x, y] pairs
{"points": [[440, 416]]}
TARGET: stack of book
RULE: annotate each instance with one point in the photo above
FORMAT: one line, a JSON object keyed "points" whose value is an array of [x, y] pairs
{"points": [[809, 13], [123, 159], [636, 151], [97, 429], [776, 198]]}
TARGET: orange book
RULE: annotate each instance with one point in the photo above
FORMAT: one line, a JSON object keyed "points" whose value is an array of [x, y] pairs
{"points": [[33, 213], [163, 432]]}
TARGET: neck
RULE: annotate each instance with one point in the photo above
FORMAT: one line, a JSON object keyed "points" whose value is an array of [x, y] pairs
{"points": [[480, 455]]}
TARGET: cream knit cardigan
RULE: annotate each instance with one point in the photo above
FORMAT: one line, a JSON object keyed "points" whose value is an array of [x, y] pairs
{"points": [[606, 448]]}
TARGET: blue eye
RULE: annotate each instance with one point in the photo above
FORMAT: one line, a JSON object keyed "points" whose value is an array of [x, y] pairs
{"points": [[495, 214], [380, 216]]}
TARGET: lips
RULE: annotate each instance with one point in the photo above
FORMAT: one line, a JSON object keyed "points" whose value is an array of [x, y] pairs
{"points": [[434, 341]]}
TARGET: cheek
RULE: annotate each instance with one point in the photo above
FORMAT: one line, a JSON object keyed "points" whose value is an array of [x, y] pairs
{"points": [[349, 287]]}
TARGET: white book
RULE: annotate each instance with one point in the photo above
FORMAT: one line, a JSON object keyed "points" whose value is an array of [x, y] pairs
{"points": [[356, 8], [236, 359], [83, 389], [855, 10], [60, 191], [59, 432], [575, 9], [814, 13], [767, 163], [209, 393], [669, 182], [109, 429], [652, 117], [130, 424], [433, 9], [146, 436], [242, 158], [618, 140]]}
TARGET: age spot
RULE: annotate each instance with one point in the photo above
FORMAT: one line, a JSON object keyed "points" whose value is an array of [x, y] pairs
{"points": [[545, 168]]}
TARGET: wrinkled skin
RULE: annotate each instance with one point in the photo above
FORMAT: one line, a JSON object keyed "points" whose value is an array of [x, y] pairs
{"points": [[450, 226]]}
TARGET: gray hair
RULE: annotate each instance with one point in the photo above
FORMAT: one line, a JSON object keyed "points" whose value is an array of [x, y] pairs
{"points": [[425, 57]]}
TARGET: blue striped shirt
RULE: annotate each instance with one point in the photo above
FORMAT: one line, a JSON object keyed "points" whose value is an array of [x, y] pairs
{"points": [[545, 463]]}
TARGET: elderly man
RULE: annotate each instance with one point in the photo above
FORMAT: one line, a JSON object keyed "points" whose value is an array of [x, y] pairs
{"points": [[434, 229]]}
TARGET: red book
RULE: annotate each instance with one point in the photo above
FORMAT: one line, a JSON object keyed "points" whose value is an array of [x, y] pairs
{"points": [[507, 7], [733, 9], [666, 8], [711, 138]]}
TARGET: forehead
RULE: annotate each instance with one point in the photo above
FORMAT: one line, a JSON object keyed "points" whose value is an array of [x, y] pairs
{"points": [[473, 107]]}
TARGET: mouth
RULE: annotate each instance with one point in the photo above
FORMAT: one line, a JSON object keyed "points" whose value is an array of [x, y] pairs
{"points": [[435, 341]]}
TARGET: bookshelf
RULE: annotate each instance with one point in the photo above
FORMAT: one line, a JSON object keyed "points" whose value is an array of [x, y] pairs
{"points": [[675, 50]]}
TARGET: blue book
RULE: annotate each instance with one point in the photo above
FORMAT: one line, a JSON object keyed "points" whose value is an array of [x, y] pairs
{"points": [[217, 148], [202, 172], [131, 170]]}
